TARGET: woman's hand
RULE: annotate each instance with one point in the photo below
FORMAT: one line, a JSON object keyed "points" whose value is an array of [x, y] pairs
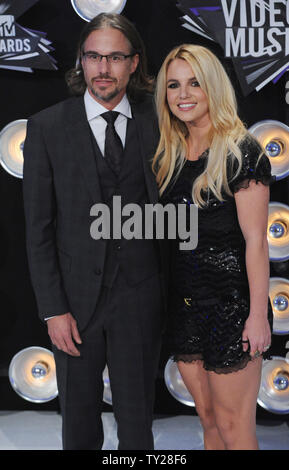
{"points": [[256, 334]]}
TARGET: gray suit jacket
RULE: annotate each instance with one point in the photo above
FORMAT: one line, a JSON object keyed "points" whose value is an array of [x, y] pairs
{"points": [[60, 186]]}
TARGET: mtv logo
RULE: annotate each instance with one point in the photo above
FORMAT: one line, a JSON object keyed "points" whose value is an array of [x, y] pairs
{"points": [[7, 26]]}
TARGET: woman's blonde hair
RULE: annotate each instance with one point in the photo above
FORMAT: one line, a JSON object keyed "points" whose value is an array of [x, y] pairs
{"points": [[227, 130]]}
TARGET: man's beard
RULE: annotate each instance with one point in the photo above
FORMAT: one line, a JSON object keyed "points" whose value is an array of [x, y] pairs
{"points": [[104, 97]]}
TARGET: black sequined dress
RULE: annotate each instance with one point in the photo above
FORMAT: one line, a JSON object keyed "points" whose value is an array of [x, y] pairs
{"points": [[209, 292]]}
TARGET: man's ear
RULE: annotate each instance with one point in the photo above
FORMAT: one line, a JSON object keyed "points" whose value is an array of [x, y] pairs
{"points": [[134, 63]]}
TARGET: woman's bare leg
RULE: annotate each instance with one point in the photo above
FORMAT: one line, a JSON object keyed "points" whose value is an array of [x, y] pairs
{"points": [[195, 378], [234, 397]]}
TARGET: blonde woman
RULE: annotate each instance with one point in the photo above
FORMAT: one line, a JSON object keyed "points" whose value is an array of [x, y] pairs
{"points": [[221, 319]]}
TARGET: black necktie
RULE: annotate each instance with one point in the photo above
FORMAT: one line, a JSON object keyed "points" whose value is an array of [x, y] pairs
{"points": [[113, 149]]}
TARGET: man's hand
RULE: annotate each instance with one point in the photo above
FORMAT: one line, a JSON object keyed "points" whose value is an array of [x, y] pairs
{"points": [[63, 331]]}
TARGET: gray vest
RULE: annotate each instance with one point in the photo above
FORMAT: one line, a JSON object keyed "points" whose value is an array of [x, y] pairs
{"points": [[138, 259]]}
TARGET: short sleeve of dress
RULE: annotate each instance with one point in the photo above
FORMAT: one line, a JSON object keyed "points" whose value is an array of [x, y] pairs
{"points": [[256, 166]]}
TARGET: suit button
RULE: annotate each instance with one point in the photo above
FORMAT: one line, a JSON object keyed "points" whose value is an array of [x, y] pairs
{"points": [[97, 271]]}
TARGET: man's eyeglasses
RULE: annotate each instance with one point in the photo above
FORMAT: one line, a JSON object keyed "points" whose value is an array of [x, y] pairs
{"points": [[111, 58]]}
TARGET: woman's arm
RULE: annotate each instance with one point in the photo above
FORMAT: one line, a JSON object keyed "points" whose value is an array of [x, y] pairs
{"points": [[252, 210]]}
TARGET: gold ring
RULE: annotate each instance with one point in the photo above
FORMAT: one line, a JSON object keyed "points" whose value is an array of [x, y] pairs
{"points": [[257, 354]]}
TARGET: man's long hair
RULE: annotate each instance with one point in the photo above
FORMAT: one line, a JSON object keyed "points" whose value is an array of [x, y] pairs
{"points": [[140, 82]]}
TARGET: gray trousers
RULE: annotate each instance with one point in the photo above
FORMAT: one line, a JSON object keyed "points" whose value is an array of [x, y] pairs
{"points": [[124, 333]]}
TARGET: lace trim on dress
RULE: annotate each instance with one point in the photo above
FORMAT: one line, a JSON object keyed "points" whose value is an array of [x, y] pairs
{"points": [[190, 358], [267, 180]]}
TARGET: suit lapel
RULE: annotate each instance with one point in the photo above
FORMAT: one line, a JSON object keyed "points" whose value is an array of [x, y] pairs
{"points": [[148, 136], [80, 141]]}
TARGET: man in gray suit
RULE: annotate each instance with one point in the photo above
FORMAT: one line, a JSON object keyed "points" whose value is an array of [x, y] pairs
{"points": [[102, 299]]}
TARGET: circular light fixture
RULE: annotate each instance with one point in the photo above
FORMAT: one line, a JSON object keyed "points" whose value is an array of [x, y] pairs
{"points": [[279, 296], [175, 384], [278, 231], [274, 388], [12, 139], [274, 138], [274, 148], [88, 9], [32, 374]]}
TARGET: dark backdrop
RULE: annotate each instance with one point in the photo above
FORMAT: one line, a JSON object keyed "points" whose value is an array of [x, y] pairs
{"points": [[23, 94]]}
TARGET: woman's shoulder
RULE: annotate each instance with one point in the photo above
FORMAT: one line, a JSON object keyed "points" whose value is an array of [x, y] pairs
{"points": [[255, 165], [250, 146]]}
